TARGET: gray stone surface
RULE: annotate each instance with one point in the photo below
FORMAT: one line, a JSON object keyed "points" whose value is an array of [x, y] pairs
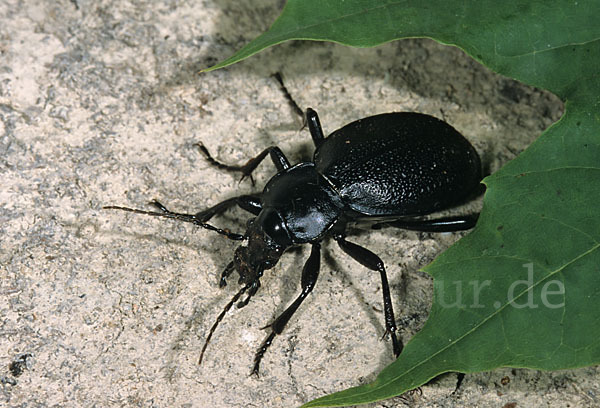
{"points": [[101, 103]]}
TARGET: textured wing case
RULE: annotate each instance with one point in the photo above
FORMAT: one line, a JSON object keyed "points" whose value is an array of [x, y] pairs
{"points": [[399, 164]]}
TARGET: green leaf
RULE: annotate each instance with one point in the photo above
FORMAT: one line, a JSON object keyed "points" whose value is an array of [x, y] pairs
{"points": [[523, 289]]}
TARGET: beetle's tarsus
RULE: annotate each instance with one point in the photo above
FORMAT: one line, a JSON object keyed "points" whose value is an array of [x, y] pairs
{"points": [[261, 351], [293, 104], [277, 156], [459, 380]]}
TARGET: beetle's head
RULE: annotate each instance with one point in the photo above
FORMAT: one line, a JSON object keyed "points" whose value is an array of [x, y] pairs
{"points": [[265, 240]]}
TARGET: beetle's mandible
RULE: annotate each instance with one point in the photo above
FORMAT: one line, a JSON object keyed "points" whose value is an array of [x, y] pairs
{"points": [[385, 170]]}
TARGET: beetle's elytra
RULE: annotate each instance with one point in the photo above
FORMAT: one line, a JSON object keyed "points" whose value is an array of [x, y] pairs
{"points": [[383, 170]]}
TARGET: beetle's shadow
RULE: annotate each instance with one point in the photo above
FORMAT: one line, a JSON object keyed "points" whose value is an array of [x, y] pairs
{"points": [[197, 244], [198, 317]]}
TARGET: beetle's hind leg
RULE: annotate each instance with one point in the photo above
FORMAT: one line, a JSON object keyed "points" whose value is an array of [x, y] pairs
{"points": [[281, 162], [373, 262], [309, 118], [310, 273], [293, 104], [314, 125], [446, 224]]}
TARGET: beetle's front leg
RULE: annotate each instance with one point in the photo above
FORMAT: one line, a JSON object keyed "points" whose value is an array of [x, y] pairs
{"points": [[310, 273], [281, 162], [373, 262], [248, 203]]}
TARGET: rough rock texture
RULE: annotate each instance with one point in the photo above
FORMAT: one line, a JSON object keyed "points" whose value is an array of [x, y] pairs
{"points": [[101, 103]]}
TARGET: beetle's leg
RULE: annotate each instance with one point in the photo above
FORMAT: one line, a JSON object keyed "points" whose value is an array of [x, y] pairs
{"points": [[310, 273], [281, 162], [447, 224], [459, 380], [200, 218], [288, 96], [314, 125], [245, 202], [373, 262]]}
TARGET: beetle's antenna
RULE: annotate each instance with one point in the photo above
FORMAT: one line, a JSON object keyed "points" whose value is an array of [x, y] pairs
{"points": [[191, 218], [220, 317]]}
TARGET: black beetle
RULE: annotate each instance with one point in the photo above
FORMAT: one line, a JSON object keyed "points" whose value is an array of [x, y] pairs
{"points": [[384, 170]]}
